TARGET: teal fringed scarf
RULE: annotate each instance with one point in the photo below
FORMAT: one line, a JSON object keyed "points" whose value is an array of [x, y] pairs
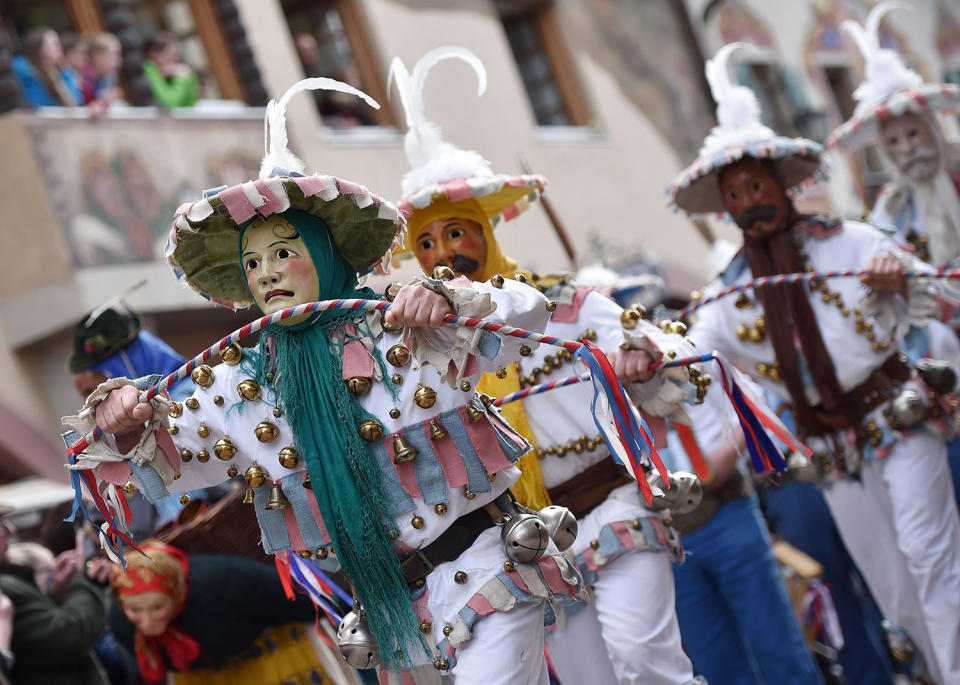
{"points": [[324, 416]]}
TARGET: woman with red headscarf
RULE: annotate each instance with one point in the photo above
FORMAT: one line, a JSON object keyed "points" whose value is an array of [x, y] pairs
{"points": [[214, 619]]}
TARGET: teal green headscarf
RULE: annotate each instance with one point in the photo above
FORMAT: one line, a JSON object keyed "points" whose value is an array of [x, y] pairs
{"points": [[308, 376]]}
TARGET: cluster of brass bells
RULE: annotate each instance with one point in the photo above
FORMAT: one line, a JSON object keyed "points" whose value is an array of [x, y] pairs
{"points": [[425, 396], [756, 334], [266, 431], [289, 458], [225, 449], [588, 334], [632, 315], [232, 354], [398, 355], [249, 390], [701, 380], [403, 451], [771, 371], [550, 362], [579, 446], [675, 327], [277, 500], [202, 376]]}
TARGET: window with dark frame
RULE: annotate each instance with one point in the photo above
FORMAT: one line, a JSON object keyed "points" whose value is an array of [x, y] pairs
{"points": [[330, 41], [542, 62]]}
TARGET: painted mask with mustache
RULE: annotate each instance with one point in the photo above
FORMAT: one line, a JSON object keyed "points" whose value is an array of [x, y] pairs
{"points": [[911, 144], [754, 197], [454, 242]]}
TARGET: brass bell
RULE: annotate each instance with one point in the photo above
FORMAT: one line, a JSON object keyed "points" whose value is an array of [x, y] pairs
{"points": [[266, 431], [225, 449], [437, 432], [520, 277], [474, 413], [307, 485], [256, 475], [743, 332], [248, 496], [192, 403], [398, 355], [630, 317], [202, 376], [761, 324], [358, 385], [289, 457], [249, 390], [443, 273], [501, 373], [371, 430], [232, 472], [425, 397], [496, 281], [203, 430], [525, 351], [176, 409], [232, 354], [276, 500], [391, 327], [487, 400], [402, 450], [130, 488], [551, 306], [203, 456]]}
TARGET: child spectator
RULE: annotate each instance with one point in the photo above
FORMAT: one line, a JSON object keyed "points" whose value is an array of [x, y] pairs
{"points": [[40, 71], [100, 74], [174, 84]]}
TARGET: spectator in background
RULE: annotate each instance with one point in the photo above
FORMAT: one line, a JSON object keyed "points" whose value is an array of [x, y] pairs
{"points": [[174, 83], [74, 60], [41, 73], [52, 638], [99, 82]]}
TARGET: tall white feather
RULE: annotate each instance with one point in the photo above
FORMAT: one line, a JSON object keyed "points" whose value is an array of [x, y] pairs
{"points": [[432, 159], [885, 71], [738, 111], [277, 152]]}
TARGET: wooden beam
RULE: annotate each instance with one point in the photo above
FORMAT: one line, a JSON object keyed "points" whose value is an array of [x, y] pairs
{"points": [[562, 66], [215, 44], [86, 17], [364, 59]]}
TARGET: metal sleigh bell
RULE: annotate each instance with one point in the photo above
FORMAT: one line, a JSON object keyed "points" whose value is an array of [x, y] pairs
{"points": [[561, 525], [907, 408], [682, 496], [525, 537], [356, 642]]}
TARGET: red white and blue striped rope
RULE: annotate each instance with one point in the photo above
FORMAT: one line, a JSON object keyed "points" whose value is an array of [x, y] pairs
{"points": [[787, 279]]}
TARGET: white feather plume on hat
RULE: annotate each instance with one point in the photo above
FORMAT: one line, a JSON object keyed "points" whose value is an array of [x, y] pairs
{"points": [[738, 110], [885, 71], [432, 159], [277, 154]]}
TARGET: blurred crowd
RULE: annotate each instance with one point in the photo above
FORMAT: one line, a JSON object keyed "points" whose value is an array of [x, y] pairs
{"points": [[75, 71]]}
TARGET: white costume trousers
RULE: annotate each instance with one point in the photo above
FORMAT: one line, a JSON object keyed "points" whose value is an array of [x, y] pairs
{"points": [[629, 634], [901, 527], [506, 649]]}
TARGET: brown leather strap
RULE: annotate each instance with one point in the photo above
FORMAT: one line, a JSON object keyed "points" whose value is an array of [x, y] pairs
{"points": [[877, 389], [453, 542], [582, 493]]}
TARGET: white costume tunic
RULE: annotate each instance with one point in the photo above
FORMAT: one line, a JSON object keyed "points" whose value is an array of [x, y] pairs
{"points": [[626, 635], [450, 477], [904, 481]]}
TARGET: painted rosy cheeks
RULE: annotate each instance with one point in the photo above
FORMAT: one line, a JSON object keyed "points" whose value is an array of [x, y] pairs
{"points": [[278, 267]]}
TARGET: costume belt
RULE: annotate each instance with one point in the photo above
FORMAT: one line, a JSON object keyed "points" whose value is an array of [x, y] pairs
{"points": [[453, 542], [879, 387], [735, 487], [588, 489]]}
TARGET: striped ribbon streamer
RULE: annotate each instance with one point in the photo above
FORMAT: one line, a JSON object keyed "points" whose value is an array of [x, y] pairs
{"points": [[787, 279]]}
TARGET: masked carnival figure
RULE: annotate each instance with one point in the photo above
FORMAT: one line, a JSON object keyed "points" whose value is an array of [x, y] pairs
{"points": [[829, 348], [361, 435]]}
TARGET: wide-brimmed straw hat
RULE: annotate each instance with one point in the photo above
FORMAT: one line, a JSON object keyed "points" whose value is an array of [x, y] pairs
{"points": [[442, 174], [203, 247], [890, 89], [739, 134]]}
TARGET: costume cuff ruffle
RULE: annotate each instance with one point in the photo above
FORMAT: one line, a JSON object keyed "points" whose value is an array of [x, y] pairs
{"points": [[453, 350], [665, 393], [147, 450]]}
